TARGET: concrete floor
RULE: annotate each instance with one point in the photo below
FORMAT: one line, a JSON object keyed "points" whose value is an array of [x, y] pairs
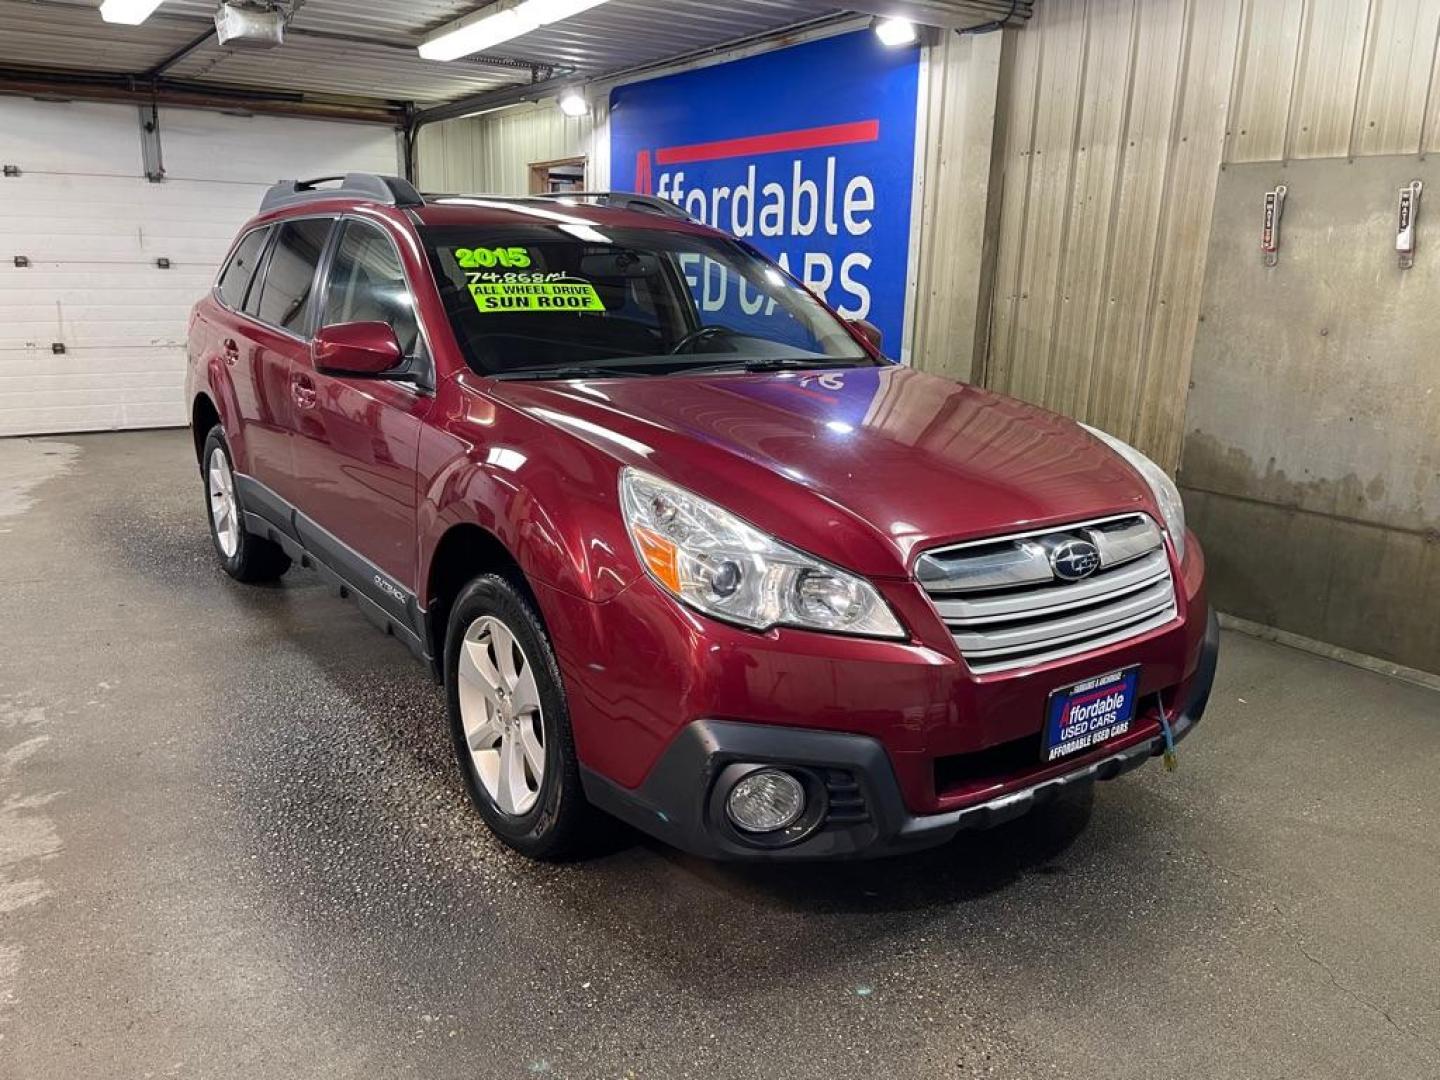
{"points": [[233, 844]]}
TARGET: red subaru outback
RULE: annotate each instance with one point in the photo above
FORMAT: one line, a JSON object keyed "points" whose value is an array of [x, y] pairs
{"points": [[680, 542]]}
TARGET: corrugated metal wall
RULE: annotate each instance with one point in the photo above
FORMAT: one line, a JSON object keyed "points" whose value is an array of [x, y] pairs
{"points": [[494, 152], [1120, 114], [951, 303]]}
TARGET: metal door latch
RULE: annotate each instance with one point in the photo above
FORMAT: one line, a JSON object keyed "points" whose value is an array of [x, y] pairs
{"points": [[1270, 231], [1405, 216]]}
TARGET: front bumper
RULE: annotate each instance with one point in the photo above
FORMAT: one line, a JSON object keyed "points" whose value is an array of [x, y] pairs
{"points": [[680, 804]]}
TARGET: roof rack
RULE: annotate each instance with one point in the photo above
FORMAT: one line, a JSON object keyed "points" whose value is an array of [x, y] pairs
{"points": [[623, 200], [391, 190]]}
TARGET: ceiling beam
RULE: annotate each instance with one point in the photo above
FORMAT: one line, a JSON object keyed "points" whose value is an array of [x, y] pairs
{"points": [[87, 86], [487, 100]]}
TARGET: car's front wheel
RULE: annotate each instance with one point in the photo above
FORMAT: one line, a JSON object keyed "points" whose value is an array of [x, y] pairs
{"points": [[509, 722], [245, 556]]}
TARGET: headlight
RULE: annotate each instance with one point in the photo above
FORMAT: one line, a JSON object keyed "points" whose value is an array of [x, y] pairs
{"points": [[718, 564], [1166, 493]]}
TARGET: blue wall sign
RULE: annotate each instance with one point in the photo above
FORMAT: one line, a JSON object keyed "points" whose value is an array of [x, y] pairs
{"points": [[806, 152]]}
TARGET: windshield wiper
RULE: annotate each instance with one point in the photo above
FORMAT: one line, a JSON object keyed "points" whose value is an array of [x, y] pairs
{"points": [[645, 365], [574, 371], [773, 363]]}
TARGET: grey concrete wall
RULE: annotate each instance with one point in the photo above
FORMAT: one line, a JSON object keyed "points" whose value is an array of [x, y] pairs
{"points": [[1311, 460]]}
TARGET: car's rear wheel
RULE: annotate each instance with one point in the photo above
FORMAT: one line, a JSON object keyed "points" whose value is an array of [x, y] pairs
{"points": [[245, 556], [509, 722]]}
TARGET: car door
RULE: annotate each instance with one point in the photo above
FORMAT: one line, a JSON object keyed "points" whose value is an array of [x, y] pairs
{"points": [[280, 307], [258, 420], [357, 440]]}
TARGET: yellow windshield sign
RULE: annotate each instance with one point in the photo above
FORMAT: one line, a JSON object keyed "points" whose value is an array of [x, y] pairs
{"points": [[570, 295]]}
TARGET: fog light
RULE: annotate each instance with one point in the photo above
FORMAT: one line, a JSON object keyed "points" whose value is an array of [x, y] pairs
{"points": [[766, 801]]}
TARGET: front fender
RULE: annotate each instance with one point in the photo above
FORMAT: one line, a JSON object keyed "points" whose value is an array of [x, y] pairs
{"points": [[551, 500]]}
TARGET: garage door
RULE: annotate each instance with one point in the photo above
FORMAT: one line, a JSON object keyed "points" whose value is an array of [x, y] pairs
{"points": [[92, 328]]}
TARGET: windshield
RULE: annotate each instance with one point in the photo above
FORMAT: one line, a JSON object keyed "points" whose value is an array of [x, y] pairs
{"points": [[568, 298]]}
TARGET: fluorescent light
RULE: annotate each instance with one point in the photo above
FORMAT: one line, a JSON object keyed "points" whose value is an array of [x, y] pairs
{"points": [[894, 32], [496, 24], [573, 103], [484, 33], [128, 12]]}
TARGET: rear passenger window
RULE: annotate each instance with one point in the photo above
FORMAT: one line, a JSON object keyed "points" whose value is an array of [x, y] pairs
{"points": [[290, 273], [237, 273], [367, 284]]}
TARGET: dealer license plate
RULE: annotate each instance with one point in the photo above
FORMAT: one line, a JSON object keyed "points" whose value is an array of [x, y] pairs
{"points": [[1088, 714]]}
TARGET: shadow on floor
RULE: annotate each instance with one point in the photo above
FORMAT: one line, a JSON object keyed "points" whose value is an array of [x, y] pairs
{"points": [[973, 865]]}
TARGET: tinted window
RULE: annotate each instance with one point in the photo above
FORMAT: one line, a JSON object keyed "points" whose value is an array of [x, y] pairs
{"points": [[367, 284], [241, 267], [290, 273]]}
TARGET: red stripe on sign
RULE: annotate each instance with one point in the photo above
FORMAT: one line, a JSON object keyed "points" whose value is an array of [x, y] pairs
{"points": [[861, 131]]}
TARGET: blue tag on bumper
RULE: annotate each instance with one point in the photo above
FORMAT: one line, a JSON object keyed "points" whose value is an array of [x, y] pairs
{"points": [[1083, 716]]}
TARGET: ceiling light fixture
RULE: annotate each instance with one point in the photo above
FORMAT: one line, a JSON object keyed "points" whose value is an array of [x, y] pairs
{"points": [[894, 32], [573, 103], [128, 12], [496, 24]]}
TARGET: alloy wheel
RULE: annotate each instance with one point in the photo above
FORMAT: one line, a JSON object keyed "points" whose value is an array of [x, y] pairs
{"points": [[501, 714], [224, 512]]}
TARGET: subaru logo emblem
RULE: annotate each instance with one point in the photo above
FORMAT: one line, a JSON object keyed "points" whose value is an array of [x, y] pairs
{"points": [[1074, 559]]}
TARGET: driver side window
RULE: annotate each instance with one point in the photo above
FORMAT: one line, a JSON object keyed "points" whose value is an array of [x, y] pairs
{"points": [[367, 284]]}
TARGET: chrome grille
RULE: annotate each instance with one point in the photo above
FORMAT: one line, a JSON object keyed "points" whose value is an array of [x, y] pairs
{"points": [[1007, 608]]}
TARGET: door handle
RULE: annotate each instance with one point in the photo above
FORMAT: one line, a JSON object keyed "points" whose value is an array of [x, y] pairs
{"points": [[232, 352], [302, 389]]}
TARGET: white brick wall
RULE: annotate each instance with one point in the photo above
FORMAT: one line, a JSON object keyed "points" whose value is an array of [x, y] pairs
{"points": [[92, 227]]}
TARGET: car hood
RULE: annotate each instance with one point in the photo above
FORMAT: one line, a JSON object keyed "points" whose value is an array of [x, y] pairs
{"points": [[864, 466]]}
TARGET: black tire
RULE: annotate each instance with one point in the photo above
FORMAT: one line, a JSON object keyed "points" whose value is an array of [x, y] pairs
{"points": [[553, 827], [255, 559]]}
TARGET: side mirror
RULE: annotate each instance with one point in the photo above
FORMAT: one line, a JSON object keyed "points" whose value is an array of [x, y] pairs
{"points": [[365, 349], [869, 331]]}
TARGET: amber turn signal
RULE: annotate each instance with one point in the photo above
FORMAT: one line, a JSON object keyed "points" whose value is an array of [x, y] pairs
{"points": [[659, 555]]}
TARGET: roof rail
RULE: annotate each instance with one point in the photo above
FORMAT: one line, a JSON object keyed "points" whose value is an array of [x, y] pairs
{"points": [[623, 200], [391, 190]]}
